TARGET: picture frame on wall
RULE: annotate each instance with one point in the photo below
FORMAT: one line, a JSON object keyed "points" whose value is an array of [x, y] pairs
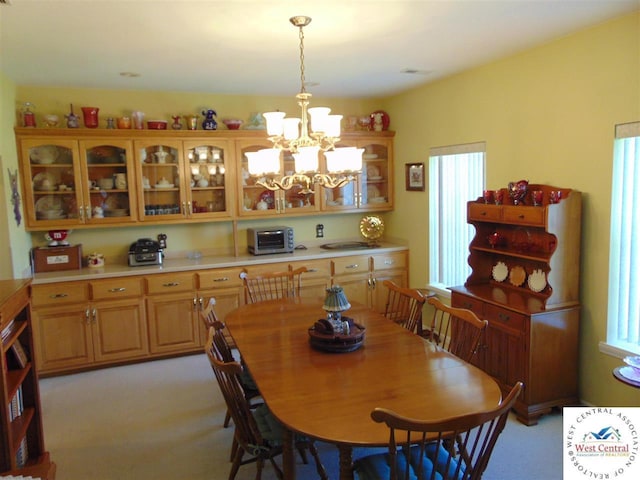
{"points": [[414, 173]]}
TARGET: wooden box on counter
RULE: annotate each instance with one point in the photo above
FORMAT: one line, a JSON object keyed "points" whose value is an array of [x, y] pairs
{"points": [[55, 259]]}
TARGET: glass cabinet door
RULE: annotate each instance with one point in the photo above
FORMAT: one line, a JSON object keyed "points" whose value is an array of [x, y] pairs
{"points": [[258, 200], [108, 180], [373, 187], [53, 198], [207, 166], [161, 180]]}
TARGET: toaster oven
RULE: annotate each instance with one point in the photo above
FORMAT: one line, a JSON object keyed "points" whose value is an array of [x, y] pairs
{"points": [[145, 251], [263, 241]]}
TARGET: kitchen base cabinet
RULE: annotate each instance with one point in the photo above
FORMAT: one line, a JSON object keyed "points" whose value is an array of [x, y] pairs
{"points": [[21, 435], [172, 307], [361, 276]]}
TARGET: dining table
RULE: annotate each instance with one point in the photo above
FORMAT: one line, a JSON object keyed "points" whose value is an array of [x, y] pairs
{"points": [[329, 396]]}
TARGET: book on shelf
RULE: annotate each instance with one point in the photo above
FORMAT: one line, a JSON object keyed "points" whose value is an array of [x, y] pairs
{"points": [[17, 405], [6, 331], [22, 455], [21, 355]]}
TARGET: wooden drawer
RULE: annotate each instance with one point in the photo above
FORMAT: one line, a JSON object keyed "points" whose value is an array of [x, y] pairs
{"points": [[484, 212], [348, 265], [463, 301], [59, 293], [170, 283], [116, 288], [220, 278], [266, 268], [524, 215], [389, 261], [506, 318], [315, 268]]}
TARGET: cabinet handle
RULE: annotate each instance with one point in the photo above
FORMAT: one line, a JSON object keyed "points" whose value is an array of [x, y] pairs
{"points": [[373, 281], [201, 302], [87, 316], [312, 270], [95, 315], [389, 262], [221, 279], [171, 284], [504, 317], [81, 214], [467, 305], [116, 290], [190, 208], [184, 208], [87, 212], [521, 216], [59, 295], [484, 214], [352, 266]]}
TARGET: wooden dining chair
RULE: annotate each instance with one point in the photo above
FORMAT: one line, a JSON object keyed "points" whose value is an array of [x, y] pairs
{"points": [[272, 286], [257, 432], [404, 306], [453, 448], [457, 330], [223, 350], [209, 318]]}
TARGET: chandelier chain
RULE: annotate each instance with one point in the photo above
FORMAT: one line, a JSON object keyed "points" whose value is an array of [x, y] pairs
{"points": [[302, 78]]}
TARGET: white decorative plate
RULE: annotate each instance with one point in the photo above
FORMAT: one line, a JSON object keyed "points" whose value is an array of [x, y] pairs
{"points": [[500, 272], [40, 178], [49, 203], [537, 280], [633, 362], [373, 171], [517, 275], [630, 373]]}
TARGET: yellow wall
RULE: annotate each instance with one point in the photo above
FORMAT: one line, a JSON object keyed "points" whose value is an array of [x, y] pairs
{"points": [[548, 116]]}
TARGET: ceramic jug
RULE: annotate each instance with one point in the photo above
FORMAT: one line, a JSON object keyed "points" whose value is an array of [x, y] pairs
{"points": [[120, 181], [209, 122]]}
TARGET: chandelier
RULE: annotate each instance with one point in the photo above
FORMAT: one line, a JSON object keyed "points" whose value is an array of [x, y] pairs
{"points": [[305, 137]]}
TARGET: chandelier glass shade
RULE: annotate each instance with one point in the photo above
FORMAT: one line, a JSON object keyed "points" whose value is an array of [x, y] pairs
{"points": [[315, 131]]}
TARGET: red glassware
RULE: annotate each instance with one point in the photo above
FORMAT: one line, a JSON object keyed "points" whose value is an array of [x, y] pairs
{"points": [[90, 117]]}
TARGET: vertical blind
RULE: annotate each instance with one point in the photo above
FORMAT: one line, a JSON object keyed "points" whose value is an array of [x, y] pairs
{"points": [[623, 322], [456, 175]]}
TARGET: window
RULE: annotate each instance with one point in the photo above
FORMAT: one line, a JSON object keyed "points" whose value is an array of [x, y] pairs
{"points": [[456, 176], [623, 320]]}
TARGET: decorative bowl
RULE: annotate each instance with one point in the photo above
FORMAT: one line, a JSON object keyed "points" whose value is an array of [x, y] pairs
{"points": [[157, 125], [232, 123]]}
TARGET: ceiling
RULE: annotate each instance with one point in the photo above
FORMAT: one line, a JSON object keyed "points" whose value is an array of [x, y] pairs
{"points": [[353, 48]]}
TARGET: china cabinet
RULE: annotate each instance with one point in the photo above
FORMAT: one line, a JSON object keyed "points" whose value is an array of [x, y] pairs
{"points": [[68, 183], [525, 263], [373, 189], [256, 200], [22, 437], [184, 179], [88, 178]]}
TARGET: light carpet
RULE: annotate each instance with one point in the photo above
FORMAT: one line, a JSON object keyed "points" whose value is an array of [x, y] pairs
{"points": [[162, 420]]}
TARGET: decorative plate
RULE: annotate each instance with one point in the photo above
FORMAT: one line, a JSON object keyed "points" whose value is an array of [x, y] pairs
{"points": [[500, 272], [372, 192], [517, 275], [537, 280], [633, 362], [49, 203], [371, 227], [385, 119], [373, 171], [267, 197], [39, 179], [630, 373]]}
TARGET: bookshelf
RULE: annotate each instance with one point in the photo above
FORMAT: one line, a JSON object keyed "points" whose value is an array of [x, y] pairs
{"points": [[22, 439]]}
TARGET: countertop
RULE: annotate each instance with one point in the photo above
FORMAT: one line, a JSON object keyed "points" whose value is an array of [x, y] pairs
{"points": [[184, 264]]}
